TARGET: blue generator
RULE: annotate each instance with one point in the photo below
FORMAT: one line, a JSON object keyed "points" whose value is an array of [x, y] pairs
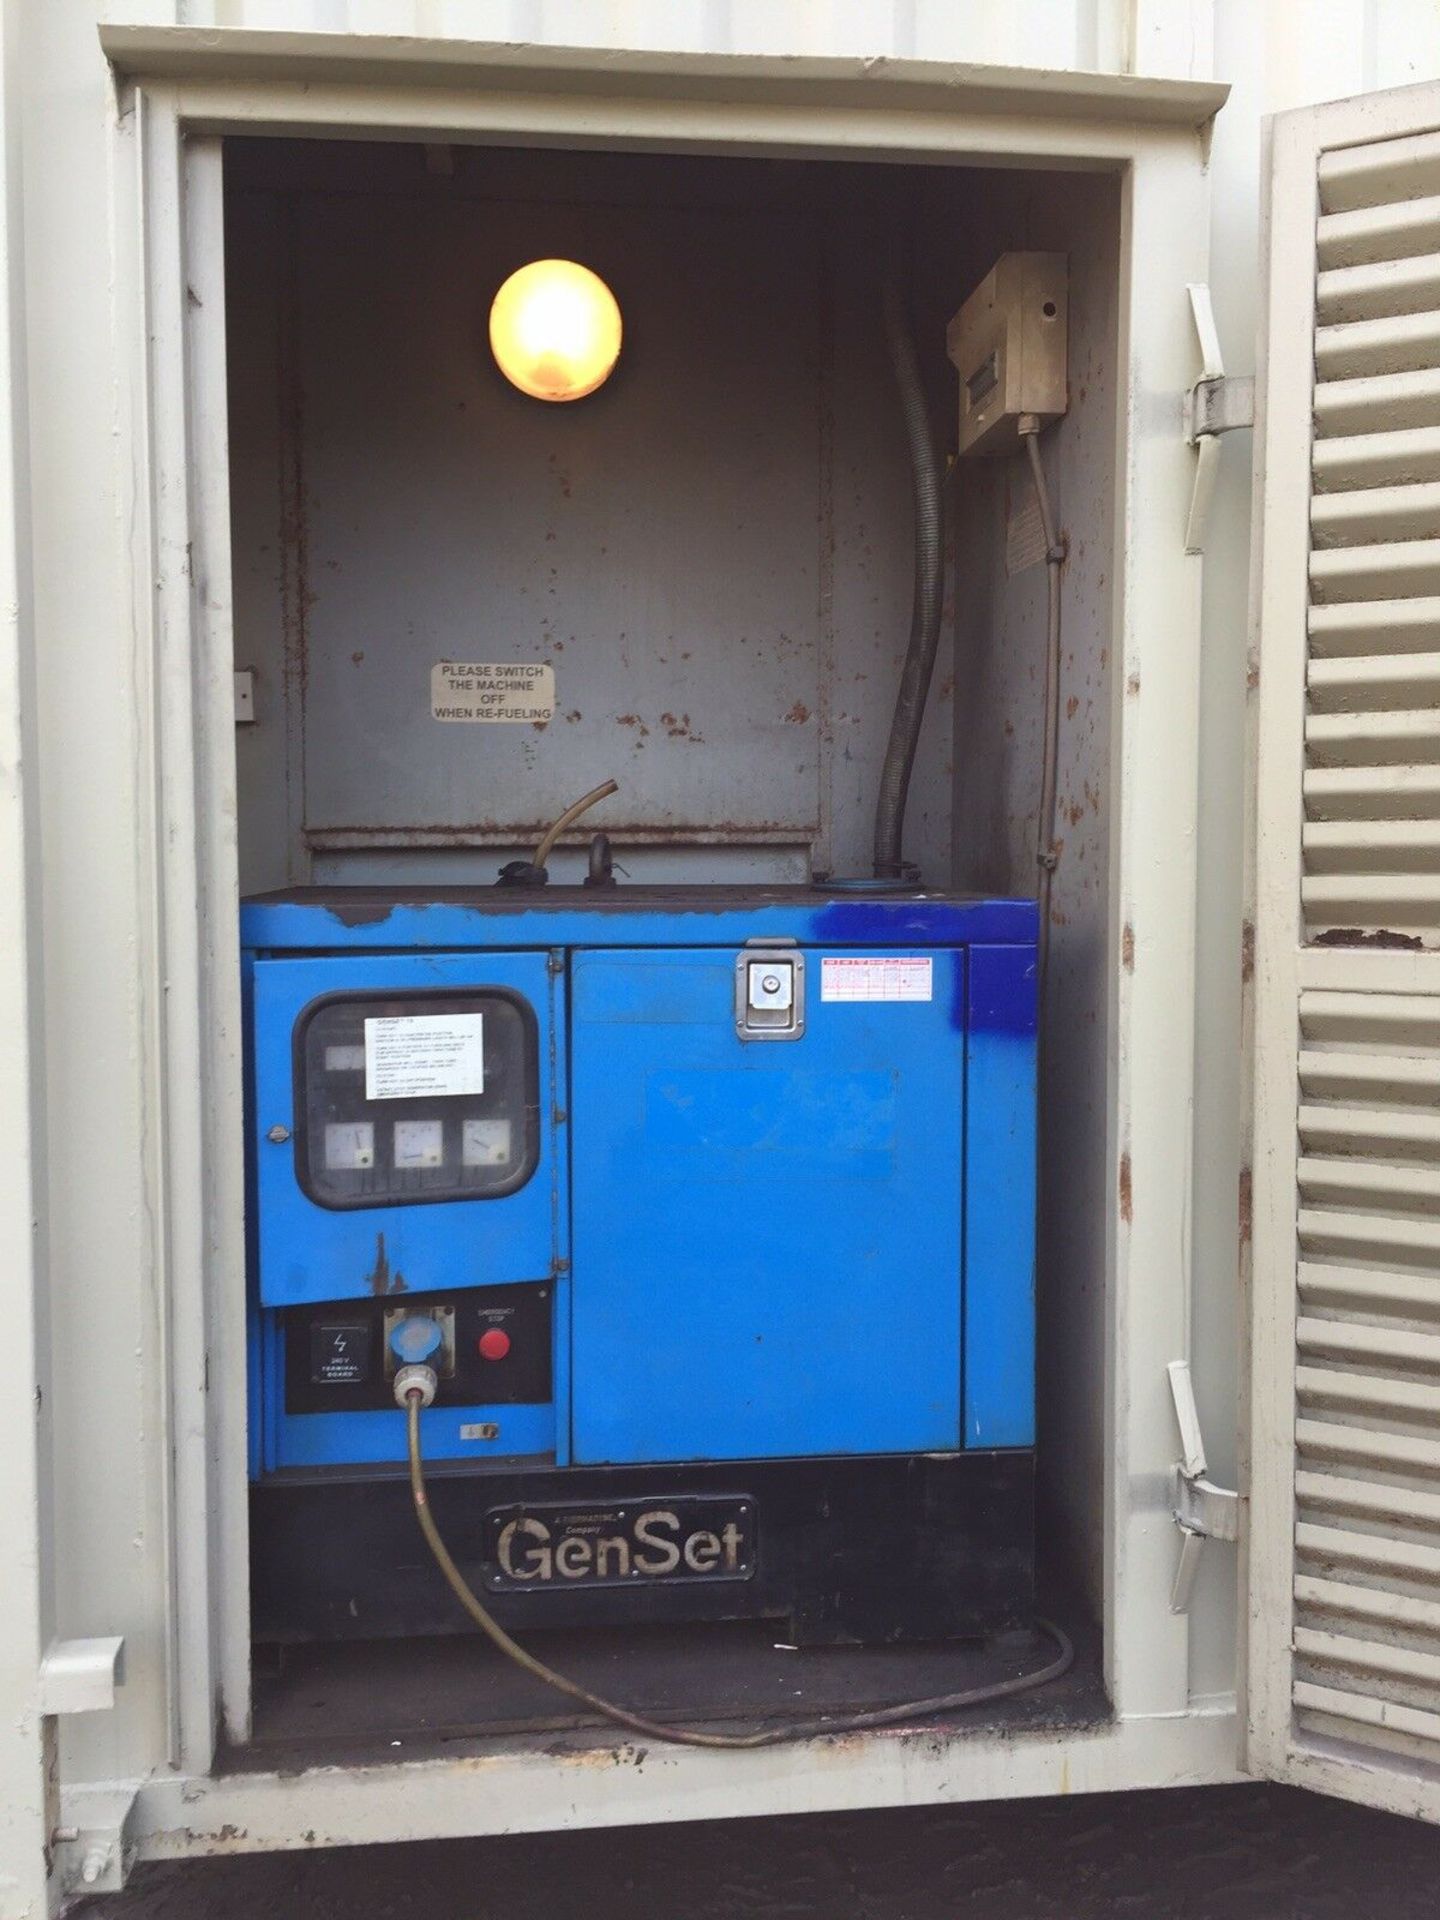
{"points": [[713, 1212]]}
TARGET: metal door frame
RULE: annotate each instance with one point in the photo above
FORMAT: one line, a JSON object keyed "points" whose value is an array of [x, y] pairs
{"points": [[181, 90]]}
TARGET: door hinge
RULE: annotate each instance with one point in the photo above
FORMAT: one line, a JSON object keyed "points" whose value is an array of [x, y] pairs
{"points": [[1202, 1511], [1217, 404], [94, 1847]]}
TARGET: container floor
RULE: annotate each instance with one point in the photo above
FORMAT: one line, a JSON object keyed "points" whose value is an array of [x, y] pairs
{"points": [[356, 1700], [1212, 1853]]}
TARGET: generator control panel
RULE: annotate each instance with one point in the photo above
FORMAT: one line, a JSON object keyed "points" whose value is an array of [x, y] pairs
{"points": [[493, 1349], [415, 1097]]}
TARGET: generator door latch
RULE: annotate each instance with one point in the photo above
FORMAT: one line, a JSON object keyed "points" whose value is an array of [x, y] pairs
{"points": [[1217, 403], [1202, 1511], [770, 992]]}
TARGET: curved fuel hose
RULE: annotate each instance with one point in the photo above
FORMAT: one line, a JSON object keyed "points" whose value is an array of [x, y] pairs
{"points": [[415, 1399], [568, 819], [927, 478]]}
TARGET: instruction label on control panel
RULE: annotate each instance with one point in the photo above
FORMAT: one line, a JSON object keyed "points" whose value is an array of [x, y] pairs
{"points": [[508, 690], [887, 976], [412, 1055]]}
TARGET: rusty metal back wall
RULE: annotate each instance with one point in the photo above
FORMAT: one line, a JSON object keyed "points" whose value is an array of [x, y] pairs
{"points": [[713, 552]]}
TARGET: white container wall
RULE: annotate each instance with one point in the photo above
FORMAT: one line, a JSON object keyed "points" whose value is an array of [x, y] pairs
{"points": [[120, 1193]]}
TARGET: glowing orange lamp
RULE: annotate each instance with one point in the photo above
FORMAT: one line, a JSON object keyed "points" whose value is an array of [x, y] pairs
{"points": [[555, 330]]}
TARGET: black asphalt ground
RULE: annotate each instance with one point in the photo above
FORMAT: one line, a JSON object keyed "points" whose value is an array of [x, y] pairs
{"points": [[1218, 1853]]}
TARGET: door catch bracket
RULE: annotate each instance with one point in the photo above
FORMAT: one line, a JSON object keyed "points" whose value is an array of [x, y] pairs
{"points": [[1202, 1511]]}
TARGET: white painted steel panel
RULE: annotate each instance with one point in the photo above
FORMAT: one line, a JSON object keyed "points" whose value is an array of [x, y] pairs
{"points": [[29, 1884], [177, 1586], [1094, 35], [1378, 403], [1402, 231], [657, 545], [1345, 1549], [108, 958], [1359, 626], [1372, 737], [1409, 284], [1374, 680], [1376, 514], [1394, 343], [713, 554]]}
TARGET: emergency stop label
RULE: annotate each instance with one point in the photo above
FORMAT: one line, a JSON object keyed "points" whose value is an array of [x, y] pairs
{"points": [[508, 690], [411, 1056], [888, 976]]}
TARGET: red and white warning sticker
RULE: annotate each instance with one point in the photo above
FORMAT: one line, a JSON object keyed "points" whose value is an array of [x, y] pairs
{"points": [[886, 976]]}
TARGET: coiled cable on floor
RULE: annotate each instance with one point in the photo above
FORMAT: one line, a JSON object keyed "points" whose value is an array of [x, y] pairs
{"points": [[415, 1399]]}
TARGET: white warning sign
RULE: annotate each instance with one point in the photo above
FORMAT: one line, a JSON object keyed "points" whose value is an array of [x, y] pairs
{"points": [[410, 1056], [517, 690], [886, 976]]}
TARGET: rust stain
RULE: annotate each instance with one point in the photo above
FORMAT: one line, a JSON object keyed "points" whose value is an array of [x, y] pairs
{"points": [[356, 658], [361, 913], [1072, 706], [1132, 685], [1127, 948], [798, 715], [380, 1279], [633, 720], [1127, 1198], [1247, 1207], [1380, 937], [1247, 952]]}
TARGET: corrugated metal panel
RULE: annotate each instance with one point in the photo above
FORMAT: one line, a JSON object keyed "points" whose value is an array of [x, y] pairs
{"points": [[1372, 736], [1367, 1484], [1091, 35]]}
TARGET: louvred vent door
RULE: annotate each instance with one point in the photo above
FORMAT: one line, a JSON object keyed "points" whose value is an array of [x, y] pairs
{"points": [[1344, 1534]]}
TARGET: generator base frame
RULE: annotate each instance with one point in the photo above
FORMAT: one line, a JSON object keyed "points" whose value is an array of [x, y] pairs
{"points": [[864, 1550]]}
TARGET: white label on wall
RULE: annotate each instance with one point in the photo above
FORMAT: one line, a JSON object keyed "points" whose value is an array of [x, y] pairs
{"points": [[407, 1056], [889, 976], [508, 690]]}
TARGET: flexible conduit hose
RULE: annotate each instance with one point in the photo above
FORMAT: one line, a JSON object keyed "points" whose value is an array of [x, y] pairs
{"points": [[688, 1736], [928, 482], [1045, 854]]}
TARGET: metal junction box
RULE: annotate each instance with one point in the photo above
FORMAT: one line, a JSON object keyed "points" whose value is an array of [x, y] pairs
{"points": [[683, 1179], [1008, 343]]}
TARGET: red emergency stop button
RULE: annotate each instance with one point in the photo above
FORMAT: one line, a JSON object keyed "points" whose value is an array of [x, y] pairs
{"points": [[494, 1343]]}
